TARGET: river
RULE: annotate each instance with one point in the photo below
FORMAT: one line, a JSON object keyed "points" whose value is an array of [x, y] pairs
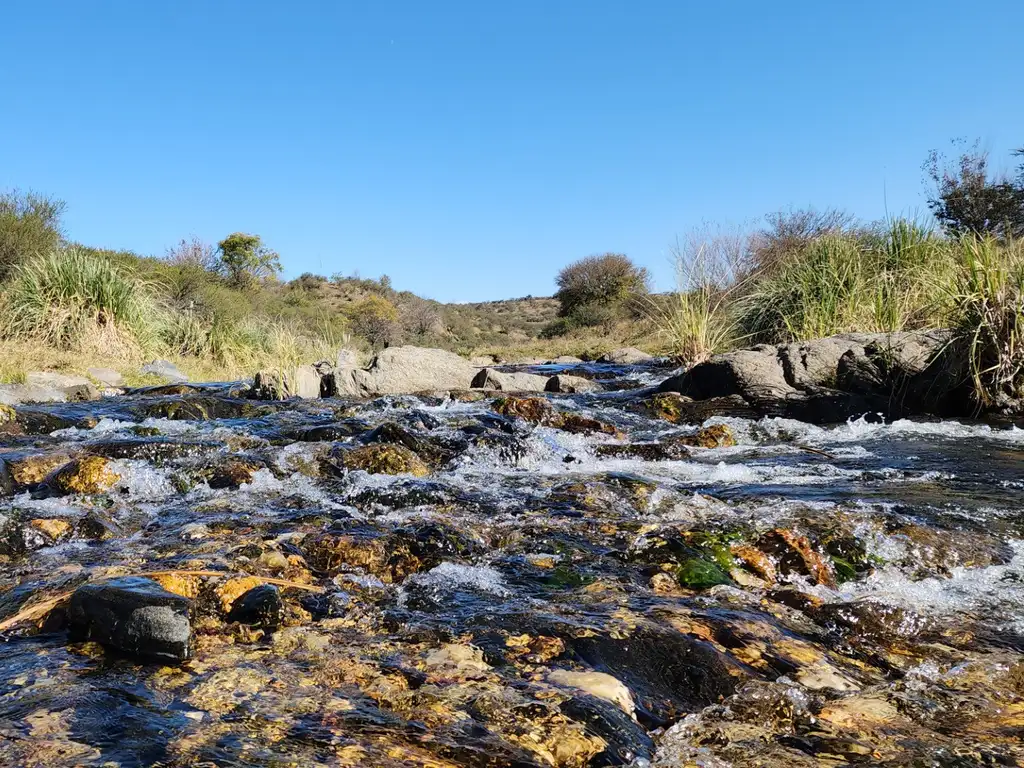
{"points": [[526, 595]]}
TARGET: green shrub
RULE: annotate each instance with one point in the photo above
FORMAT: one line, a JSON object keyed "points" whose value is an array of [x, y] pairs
{"points": [[986, 312], [598, 282], [29, 227], [60, 296]]}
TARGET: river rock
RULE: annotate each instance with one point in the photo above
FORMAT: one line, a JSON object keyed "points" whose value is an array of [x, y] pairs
{"points": [[261, 606], [571, 385], [165, 370], [598, 684], [73, 387], [108, 377], [404, 370], [303, 381], [831, 379], [626, 356], [134, 615], [88, 475], [565, 360], [488, 378], [16, 394]]}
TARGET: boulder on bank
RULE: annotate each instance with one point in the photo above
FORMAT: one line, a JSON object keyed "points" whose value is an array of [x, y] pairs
{"points": [[488, 378], [303, 381], [133, 615], [403, 370], [626, 356], [108, 377], [166, 370], [834, 378], [40, 385]]}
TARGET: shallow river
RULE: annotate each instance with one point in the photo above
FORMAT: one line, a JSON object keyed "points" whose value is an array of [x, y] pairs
{"points": [[519, 594]]}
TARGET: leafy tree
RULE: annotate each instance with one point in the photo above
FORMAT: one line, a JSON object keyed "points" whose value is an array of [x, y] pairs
{"points": [[966, 198], [376, 320], [244, 259], [29, 226], [606, 281]]}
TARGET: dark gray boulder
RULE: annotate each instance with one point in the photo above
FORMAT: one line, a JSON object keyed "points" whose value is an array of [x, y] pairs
{"points": [[133, 615], [834, 378], [261, 606]]}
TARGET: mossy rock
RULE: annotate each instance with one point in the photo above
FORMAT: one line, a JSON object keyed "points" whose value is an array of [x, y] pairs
{"points": [[698, 573], [715, 436], [7, 414], [536, 410], [30, 471], [386, 459], [88, 474], [232, 472], [669, 406]]}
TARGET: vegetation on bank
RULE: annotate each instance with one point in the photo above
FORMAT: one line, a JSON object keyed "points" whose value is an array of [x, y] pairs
{"points": [[222, 311]]}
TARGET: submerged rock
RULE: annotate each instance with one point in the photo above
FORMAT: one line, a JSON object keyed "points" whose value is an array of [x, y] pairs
{"points": [[383, 458], [133, 615], [261, 606], [598, 684]]}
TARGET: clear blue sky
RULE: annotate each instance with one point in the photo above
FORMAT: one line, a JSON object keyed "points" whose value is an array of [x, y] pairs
{"points": [[471, 149]]}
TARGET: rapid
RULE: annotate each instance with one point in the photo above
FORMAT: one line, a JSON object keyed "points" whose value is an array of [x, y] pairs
{"points": [[491, 586]]}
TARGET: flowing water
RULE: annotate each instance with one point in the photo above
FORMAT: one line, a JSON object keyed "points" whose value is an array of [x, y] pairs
{"points": [[524, 596]]}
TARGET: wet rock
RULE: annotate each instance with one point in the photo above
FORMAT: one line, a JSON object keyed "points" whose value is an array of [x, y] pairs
{"points": [[626, 741], [571, 385], [668, 450], [132, 615], [107, 377], [30, 471], [667, 672], [165, 370], [53, 528], [456, 660], [434, 451], [87, 475], [940, 550], [539, 411], [151, 449], [382, 458], [488, 378], [338, 430], [233, 472], [261, 606], [533, 409], [794, 554], [598, 684], [715, 436], [875, 622], [700, 573], [626, 356], [41, 421]]}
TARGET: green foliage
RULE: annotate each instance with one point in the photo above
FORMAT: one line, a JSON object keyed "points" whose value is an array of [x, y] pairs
{"points": [[966, 199], [29, 227], [599, 283], [376, 320], [986, 310], [66, 293], [245, 259]]}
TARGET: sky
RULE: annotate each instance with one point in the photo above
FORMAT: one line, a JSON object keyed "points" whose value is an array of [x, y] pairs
{"points": [[469, 150]]}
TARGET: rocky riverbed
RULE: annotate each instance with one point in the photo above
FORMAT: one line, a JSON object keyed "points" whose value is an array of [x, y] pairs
{"points": [[191, 577]]}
